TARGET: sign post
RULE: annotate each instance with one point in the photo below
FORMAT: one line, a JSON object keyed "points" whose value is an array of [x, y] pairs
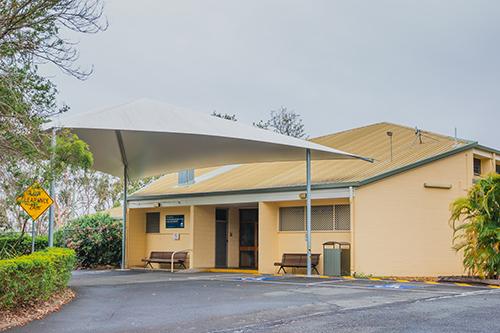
{"points": [[35, 201]]}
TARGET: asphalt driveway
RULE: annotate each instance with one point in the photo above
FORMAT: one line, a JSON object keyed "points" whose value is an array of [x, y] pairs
{"points": [[138, 301]]}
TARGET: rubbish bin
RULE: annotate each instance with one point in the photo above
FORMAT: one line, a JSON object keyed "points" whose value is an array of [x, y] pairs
{"points": [[336, 258]]}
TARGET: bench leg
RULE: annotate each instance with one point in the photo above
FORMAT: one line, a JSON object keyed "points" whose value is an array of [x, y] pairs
{"points": [[314, 268], [182, 264], [149, 263]]}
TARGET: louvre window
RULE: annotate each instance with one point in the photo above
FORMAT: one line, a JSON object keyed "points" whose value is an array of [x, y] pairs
{"points": [[342, 217], [323, 218], [292, 219], [152, 223], [477, 166]]}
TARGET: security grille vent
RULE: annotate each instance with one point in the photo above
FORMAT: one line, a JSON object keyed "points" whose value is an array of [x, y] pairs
{"points": [[152, 223], [322, 218], [292, 219], [342, 217]]}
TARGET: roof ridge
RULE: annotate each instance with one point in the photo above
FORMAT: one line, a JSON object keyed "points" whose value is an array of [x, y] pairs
{"points": [[350, 129], [449, 137]]}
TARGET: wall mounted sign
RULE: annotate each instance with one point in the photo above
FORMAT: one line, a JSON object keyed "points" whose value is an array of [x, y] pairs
{"points": [[174, 221]]}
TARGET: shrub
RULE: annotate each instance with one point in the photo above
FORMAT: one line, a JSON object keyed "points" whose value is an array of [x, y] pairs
{"points": [[476, 224], [95, 238], [30, 278], [12, 245]]}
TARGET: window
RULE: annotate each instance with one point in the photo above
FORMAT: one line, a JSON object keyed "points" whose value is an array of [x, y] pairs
{"points": [[152, 223], [185, 177], [498, 168], [323, 218], [292, 219], [477, 167], [174, 221], [342, 217]]}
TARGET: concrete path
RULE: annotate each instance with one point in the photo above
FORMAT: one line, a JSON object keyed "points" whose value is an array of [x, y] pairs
{"points": [[133, 301]]}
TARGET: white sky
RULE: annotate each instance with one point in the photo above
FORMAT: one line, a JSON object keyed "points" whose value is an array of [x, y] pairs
{"points": [[340, 64]]}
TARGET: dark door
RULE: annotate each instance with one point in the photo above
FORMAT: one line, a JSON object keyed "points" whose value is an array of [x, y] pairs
{"points": [[249, 238], [221, 238]]}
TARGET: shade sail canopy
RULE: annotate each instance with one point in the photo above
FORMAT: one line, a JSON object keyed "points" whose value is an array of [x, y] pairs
{"points": [[154, 138]]}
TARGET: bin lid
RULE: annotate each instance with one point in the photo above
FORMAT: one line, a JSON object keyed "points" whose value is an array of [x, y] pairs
{"points": [[334, 243]]}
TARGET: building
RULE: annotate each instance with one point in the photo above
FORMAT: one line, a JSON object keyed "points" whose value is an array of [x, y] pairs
{"points": [[394, 212]]}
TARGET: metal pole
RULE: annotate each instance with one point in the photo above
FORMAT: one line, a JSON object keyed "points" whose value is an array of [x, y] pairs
{"points": [[124, 225], [308, 210], [33, 235], [52, 193]]}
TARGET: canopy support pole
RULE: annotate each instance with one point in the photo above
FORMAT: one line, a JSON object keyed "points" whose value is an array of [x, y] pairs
{"points": [[52, 192], [124, 225], [308, 210], [125, 183]]}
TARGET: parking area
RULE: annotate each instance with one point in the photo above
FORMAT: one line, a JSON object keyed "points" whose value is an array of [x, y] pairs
{"points": [[140, 301]]}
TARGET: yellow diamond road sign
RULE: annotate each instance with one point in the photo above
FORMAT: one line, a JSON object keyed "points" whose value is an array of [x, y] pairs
{"points": [[35, 201]]}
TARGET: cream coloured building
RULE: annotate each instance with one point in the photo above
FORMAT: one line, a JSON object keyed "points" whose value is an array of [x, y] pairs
{"points": [[394, 212]]}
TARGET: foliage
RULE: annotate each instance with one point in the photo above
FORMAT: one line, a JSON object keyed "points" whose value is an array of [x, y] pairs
{"points": [[476, 223], [284, 122], [34, 277], [70, 154], [31, 33], [95, 238], [13, 245], [226, 116]]}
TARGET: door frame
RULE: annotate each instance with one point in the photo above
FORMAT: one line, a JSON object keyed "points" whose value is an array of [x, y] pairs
{"points": [[255, 248], [226, 222]]}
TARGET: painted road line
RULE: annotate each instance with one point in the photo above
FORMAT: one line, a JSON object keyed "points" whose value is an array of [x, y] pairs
{"points": [[375, 279], [402, 280], [462, 284], [494, 287], [431, 282], [348, 277]]}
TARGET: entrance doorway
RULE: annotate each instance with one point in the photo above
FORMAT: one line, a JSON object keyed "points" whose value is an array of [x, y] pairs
{"points": [[221, 238], [249, 238]]}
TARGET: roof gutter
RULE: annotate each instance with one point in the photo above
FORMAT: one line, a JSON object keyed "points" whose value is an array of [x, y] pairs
{"points": [[324, 186]]}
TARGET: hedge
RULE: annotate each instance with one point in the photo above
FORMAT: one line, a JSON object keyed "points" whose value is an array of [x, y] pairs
{"points": [[35, 277], [11, 245]]}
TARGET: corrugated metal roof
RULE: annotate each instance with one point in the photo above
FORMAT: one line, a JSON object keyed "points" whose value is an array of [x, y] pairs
{"points": [[370, 141]]}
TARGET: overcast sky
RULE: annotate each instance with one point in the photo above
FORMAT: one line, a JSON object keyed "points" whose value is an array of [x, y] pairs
{"points": [[340, 64]]}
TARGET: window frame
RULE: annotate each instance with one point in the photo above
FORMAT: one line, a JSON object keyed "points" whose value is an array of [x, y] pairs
{"points": [[158, 223], [479, 167]]}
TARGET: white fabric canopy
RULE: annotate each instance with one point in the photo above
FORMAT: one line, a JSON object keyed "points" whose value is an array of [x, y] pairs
{"points": [[154, 138], [148, 138]]}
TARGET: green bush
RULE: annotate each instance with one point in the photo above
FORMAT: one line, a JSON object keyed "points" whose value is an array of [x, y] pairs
{"points": [[34, 277], [12, 245], [95, 238], [476, 224]]}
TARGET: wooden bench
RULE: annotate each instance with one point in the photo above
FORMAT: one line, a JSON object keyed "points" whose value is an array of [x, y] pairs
{"points": [[161, 257], [297, 260]]}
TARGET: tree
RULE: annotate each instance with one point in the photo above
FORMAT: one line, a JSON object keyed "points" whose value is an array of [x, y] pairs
{"points": [[284, 122], [226, 116], [476, 225], [31, 33]]}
